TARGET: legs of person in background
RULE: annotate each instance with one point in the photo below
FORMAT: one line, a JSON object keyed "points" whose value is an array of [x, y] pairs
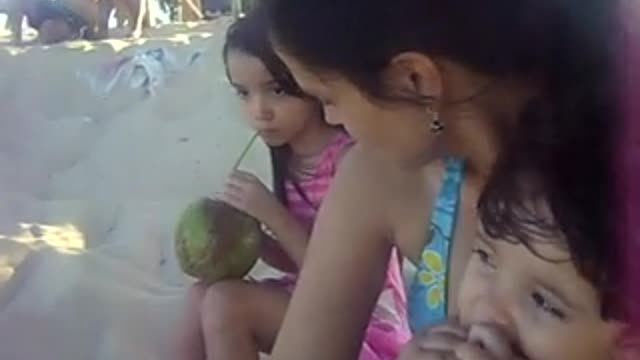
{"points": [[105, 7], [191, 10], [55, 31], [14, 23]]}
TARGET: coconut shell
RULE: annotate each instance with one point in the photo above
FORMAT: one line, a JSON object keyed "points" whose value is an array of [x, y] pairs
{"points": [[215, 241]]}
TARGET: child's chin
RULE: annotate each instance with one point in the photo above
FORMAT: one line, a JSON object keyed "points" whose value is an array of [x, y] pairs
{"points": [[274, 142]]}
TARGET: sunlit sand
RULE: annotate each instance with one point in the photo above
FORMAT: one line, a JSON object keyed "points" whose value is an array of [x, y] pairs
{"points": [[91, 188]]}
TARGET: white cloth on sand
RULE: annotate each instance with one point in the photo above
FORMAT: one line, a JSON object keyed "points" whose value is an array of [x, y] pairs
{"points": [[146, 69]]}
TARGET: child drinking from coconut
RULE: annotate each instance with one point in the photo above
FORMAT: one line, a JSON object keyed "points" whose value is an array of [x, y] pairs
{"points": [[239, 319]]}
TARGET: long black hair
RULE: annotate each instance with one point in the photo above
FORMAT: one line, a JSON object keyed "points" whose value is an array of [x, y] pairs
{"points": [[560, 149], [250, 35]]}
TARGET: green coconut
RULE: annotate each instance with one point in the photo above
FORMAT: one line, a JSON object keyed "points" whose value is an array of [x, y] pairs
{"points": [[215, 241]]}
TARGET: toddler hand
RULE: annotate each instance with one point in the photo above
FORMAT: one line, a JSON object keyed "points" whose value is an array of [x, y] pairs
{"points": [[487, 342], [247, 193], [435, 343]]}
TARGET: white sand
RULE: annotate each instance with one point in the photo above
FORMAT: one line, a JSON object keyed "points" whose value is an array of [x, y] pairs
{"points": [[91, 190]]}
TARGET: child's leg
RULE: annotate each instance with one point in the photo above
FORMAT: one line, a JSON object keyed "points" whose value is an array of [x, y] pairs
{"points": [[105, 7], [14, 21], [141, 19], [241, 319], [190, 343]]}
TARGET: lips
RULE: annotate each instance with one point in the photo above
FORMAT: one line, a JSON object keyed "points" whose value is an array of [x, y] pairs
{"points": [[268, 133], [269, 136]]}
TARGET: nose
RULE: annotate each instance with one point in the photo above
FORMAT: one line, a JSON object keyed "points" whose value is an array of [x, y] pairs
{"points": [[492, 309], [492, 320], [495, 339], [259, 110]]}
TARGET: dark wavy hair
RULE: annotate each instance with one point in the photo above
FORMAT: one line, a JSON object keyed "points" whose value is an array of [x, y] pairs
{"points": [[560, 149]]}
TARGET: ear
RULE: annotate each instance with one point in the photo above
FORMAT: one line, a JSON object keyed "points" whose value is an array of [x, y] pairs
{"points": [[413, 73]]}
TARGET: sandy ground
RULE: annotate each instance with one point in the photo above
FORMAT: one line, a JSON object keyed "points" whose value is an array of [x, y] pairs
{"points": [[91, 188]]}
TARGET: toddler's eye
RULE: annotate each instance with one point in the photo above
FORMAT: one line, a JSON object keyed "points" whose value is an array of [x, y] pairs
{"points": [[547, 306], [484, 257]]}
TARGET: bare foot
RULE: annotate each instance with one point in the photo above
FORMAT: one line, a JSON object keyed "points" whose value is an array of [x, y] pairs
{"points": [[136, 34]]}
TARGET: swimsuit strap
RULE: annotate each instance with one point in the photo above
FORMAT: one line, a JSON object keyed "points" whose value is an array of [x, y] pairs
{"points": [[428, 293]]}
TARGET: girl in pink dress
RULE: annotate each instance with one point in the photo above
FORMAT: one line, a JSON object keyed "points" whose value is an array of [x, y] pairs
{"points": [[237, 320]]}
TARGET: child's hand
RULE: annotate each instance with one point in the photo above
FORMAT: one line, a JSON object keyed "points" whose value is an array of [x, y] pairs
{"points": [[486, 342], [449, 341], [435, 343], [247, 193]]}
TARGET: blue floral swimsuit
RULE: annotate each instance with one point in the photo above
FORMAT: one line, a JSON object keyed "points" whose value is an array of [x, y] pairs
{"points": [[427, 299]]}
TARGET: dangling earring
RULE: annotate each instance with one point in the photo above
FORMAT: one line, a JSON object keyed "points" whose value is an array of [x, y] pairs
{"points": [[437, 126]]}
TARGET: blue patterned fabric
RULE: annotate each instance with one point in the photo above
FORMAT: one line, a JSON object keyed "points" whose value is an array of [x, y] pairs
{"points": [[427, 299]]}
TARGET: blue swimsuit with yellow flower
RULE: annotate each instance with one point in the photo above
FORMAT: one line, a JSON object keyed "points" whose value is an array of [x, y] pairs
{"points": [[427, 299]]}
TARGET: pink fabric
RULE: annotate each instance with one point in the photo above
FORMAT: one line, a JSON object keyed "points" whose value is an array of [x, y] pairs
{"points": [[388, 329], [389, 326], [316, 185]]}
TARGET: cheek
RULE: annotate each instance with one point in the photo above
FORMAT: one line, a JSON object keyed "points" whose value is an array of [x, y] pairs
{"points": [[355, 126], [245, 109], [473, 288], [344, 113], [404, 133], [367, 124], [356, 122], [291, 115], [569, 341], [418, 134]]}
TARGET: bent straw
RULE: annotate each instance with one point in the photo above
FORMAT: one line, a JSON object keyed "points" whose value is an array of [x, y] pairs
{"points": [[245, 151]]}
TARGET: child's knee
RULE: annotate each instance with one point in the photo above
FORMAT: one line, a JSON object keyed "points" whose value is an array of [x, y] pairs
{"points": [[195, 294], [223, 304]]}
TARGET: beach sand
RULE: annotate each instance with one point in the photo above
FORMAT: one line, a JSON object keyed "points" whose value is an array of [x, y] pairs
{"points": [[92, 186]]}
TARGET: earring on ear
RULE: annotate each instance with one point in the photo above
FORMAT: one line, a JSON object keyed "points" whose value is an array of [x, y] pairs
{"points": [[437, 126]]}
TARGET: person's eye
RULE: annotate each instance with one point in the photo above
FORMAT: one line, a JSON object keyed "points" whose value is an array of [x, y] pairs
{"points": [[278, 91], [242, 94], [542, 303], [484, 257]]}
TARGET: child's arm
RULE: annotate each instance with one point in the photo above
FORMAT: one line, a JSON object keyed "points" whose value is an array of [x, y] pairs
{"points": [[272, 254], [246, 192], [138, 21], [290, 239], [15, 16]]}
